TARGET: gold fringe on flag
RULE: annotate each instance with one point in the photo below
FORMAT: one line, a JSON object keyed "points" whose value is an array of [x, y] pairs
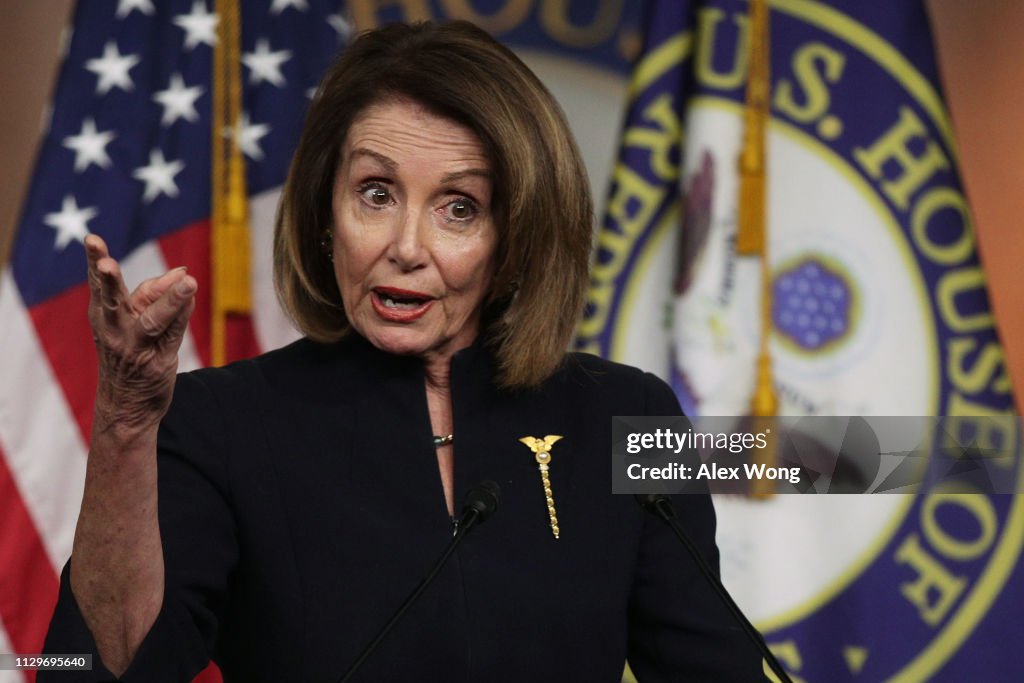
{"points": [[229, 229], [751, 237]]}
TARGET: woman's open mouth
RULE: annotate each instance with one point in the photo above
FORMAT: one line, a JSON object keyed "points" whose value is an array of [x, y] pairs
{"points": [[400, 305]]}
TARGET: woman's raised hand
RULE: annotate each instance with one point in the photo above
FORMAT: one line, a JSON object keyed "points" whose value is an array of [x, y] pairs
{"points": [[137, 338], [118, 572]]}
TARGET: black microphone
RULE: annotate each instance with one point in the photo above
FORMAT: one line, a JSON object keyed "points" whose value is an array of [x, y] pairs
{"points": [[479, 504], [661, 507]]}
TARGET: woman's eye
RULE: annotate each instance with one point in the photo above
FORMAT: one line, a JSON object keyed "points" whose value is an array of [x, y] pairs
{"points": [[375, 195], [461, 210]]}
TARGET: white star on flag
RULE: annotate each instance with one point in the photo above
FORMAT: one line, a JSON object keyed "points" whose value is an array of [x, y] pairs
{"points": [[178, 101], [112, 69], [248, 135], [265, 65], [341, 25], [70, 222], [200, 25], [125, 7], [90, 146], [281, 5], [158, 176]]}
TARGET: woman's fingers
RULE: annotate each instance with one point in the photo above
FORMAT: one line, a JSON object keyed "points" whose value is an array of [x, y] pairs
{"points": [[152, 289], [170, 310], [95, 250], [176, 330], [137, 338], [157, 312], [107, 293], [113, 292]]}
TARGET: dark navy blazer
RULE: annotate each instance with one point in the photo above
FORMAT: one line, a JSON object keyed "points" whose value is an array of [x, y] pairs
{"points": [[300, 503]]}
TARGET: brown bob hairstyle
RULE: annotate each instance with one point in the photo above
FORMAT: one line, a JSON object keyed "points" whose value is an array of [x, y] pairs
{"points": [[541, 200]]}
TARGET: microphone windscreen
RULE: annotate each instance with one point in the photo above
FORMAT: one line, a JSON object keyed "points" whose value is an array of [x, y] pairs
{"points": [[483, 498]]}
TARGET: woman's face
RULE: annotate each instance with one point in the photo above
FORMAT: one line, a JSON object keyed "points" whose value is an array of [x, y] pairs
{"points": [[413, 237]]}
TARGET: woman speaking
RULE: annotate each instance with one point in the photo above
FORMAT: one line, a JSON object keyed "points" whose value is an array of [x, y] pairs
{"points": [[432, 245]]}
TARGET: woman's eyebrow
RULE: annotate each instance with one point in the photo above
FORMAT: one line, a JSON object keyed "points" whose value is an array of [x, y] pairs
{"points": [[459, 175], [387, 162], [392, 166]]}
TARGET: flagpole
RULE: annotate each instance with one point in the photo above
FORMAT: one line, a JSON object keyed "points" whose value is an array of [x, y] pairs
{"points": [[752, 238], [229, 231]]}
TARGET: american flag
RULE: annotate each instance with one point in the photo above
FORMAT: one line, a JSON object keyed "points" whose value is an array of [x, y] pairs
{"points": [[127, 155]]}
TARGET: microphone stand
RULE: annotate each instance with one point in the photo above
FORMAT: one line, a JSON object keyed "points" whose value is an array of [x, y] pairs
{"points": [[660, 506], [481, 502]]}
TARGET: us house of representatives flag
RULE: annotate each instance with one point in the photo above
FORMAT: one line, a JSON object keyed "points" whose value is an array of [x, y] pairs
{"points": [[862, 280]]}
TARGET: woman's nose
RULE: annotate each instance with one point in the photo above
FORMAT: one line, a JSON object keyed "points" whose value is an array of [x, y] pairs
{"points": [[407, 248]]}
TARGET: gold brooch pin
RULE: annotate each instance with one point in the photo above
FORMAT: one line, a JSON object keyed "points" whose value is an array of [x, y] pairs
{"points": [[542, 449]]}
